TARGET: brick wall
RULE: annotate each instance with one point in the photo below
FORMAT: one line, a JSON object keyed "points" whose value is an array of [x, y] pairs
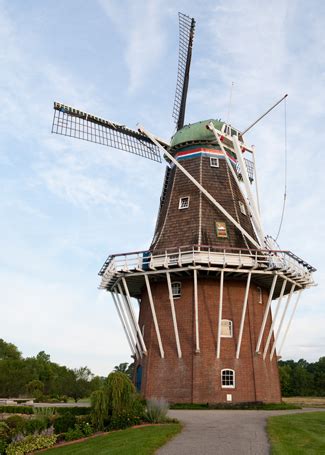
{"points": [[196, 377]]}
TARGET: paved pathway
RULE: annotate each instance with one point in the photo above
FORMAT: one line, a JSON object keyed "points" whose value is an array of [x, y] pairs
{"points": [[222, 432]]}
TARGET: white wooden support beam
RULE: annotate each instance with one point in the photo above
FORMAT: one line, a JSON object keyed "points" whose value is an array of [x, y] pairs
{"points": [[282, 319], [203, 190], [290, 320], [230, 166], [266, 313], [154, 317], [128, 298], [274, 318], [247, 184], [130, 341], [129, 319], [172, 306], [196, 313], [241, 329], [220, 314], [256, 182]]}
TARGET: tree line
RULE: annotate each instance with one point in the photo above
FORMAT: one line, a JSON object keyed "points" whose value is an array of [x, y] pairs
{"points": [[302, 378], [42, 379]]}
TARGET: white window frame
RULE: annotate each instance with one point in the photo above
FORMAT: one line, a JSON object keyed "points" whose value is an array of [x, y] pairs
{"points": [[229, 324], [234, 379], [176, 295], [242, 207], [183, 199], [214, 161]]}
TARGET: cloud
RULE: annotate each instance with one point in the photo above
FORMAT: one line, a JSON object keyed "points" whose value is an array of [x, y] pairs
{"points": [[140, 25]]}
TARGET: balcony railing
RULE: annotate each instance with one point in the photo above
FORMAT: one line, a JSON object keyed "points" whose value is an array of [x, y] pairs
{"points": [[233, 258]]}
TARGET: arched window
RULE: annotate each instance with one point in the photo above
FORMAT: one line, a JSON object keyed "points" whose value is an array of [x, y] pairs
{"points": [[228, 379], [226, 328], [176, 289]]}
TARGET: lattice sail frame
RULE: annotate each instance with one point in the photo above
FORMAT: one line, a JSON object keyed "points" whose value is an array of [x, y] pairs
{"points": [[72, 122], [186, 35]]}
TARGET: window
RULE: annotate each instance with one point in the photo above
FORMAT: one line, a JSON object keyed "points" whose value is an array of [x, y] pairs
{"points": [[214, 162], [184, 202], [260, 295], [242, 207], [176, 289], [221, 229], [226, 328], [228, 379]]}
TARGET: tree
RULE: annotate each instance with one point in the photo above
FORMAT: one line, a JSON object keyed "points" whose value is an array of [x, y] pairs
{"points": [[9, 351], [35, 388], [125, 368]]}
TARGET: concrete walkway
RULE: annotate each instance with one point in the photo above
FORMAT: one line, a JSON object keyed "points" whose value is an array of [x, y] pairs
{"points": [[222, 432]]}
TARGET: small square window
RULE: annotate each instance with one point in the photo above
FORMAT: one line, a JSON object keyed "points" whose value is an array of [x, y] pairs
{"points": [[176, 289], [226, 328], [242, 207], [184, 202], [228, 379], [214, 162], [221, 229]]}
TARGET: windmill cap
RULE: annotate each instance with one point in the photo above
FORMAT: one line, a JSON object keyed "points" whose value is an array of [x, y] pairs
{"points": [[195, 132]]}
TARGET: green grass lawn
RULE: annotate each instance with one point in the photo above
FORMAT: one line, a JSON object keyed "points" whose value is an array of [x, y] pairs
{"points": [[297, 434], [133, 441]]}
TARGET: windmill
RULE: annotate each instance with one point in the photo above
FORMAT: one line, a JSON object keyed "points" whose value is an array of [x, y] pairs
{"points": [[205, 331]]}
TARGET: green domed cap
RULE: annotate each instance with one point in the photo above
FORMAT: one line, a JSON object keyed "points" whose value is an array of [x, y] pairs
{"points": [[195, 132]]}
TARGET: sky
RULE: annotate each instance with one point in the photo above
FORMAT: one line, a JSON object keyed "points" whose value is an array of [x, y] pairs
{"points": [[66, 204]]}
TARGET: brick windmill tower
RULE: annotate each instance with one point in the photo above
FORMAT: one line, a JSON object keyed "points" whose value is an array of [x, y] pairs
{"points": [[205, 331]]}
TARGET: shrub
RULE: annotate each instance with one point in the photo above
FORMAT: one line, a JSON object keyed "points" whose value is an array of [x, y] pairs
{"points": [[4, 436], [100, 408], [46, 412], [17, 409], [64, 423], [79, 431], [36, 425], [75, 410], [16, 424], [123, 419], [30, 443], [157, 410], [4, 430], [74, 433]]}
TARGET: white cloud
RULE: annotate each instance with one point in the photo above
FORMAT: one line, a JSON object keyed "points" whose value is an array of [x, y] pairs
{"points": [[140, 25]]}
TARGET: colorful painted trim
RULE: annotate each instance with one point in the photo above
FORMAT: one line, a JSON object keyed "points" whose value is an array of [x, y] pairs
{"points": [[194, 152]]}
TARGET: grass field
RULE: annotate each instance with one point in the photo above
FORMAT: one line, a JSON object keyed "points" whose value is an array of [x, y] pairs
{"points": [[133, 441], [298, 434], [306, 402]]}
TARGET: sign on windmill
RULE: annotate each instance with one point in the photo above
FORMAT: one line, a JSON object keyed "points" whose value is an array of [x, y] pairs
{"points": [[205, 331]]}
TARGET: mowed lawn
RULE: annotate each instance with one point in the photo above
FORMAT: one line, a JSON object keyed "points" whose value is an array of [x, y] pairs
{"points": [[133, 441], [297, 434]]}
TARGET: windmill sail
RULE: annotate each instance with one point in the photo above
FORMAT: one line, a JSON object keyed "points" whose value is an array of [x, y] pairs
{"points": [[72, 122], [186, 35]]}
